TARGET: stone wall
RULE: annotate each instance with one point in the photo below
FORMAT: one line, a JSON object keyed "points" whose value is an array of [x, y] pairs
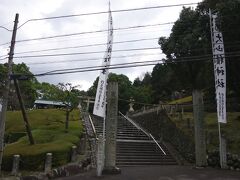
{"points": [[233, 160]]}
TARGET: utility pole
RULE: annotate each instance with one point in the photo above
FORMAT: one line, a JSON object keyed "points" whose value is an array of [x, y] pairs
{"points": [[6, 90], [26, 123]]}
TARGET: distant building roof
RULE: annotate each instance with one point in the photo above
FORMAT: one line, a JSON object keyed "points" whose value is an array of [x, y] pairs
{"points": [[47, 102]]}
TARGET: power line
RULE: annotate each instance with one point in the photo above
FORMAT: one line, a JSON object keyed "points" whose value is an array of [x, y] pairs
{"points": [[101, 44], [111, 67], [81, 38], [192, 58], [96, 52], [123, 66], [2, 27], [92, 59], [2, 59], [90, 67], [80, 53], [120, 66], [88, 32], [104, 12], [88, 45], [98, 31], [141, 54], [228, 45]]}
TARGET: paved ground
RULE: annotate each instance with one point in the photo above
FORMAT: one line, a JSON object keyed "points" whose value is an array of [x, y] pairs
{"points": [[162, 173]]}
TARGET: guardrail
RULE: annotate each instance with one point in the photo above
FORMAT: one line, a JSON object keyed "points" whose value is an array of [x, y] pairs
{"points": [[158, 144], [140, 128], [92, 125]]}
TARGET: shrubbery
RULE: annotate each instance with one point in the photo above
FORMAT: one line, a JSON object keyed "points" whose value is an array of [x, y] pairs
{"points": [[49, 135]]}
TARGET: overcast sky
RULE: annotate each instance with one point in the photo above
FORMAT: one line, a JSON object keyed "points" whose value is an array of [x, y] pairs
{"points": [[31, 9]]}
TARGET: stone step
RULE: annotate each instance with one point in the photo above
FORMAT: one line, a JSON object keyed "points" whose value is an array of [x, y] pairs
{"points": [[144, 163], [144, 160], [153, 157], [135, 148], [133, 137]]}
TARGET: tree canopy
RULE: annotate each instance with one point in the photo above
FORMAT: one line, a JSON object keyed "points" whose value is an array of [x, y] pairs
{"points": [[27, 86]]}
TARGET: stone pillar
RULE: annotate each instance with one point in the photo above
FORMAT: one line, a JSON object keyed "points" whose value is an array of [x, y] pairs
{"points": [[223, 153], [111, 129], [15, 167], [74, 154], [198, 114], [100, 155], [48, 163]]}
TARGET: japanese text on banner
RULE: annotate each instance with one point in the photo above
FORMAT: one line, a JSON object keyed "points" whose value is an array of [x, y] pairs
{"points": [[219, 68], [100, 99]]}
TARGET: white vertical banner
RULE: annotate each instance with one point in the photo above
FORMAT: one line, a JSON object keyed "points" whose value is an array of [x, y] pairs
{"points": [[219, 67], [100, 99]]}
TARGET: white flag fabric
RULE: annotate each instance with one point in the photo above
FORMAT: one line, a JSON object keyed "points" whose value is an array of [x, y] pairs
{"points": [[100, 99], [219, 68]]}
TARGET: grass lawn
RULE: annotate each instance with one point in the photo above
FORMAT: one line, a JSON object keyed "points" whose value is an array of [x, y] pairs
{"points": [[187, 99], [230, 130], [48, 129]]}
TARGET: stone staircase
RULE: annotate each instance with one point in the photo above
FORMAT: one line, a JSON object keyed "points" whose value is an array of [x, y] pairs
{"points": [[134, 147]]}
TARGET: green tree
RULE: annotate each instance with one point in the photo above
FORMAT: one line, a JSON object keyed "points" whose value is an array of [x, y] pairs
{"points": [[188, 41], [142, 92], [229, 24], [124, 89], [27, 86], [68, 94], [48, 91], [164, 82]]}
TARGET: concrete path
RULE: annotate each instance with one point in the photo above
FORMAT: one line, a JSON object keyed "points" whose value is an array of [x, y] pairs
{"points": [[162, 173]]}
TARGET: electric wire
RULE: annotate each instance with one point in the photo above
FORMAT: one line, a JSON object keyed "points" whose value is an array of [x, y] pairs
{"points": [[87, 32], [37, 43], [88, 45], [80, 53], [91, 59], [2, 27], [101, 44], [96, 52], [143, 54], [97, 31], [128, 65], [104, 12]]}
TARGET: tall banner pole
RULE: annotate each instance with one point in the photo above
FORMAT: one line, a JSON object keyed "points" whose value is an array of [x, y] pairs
{"points": [[100, 99], [220, 80]]}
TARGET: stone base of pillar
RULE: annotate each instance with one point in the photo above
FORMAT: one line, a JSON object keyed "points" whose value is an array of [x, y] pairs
{"points": [[111, 170]]}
